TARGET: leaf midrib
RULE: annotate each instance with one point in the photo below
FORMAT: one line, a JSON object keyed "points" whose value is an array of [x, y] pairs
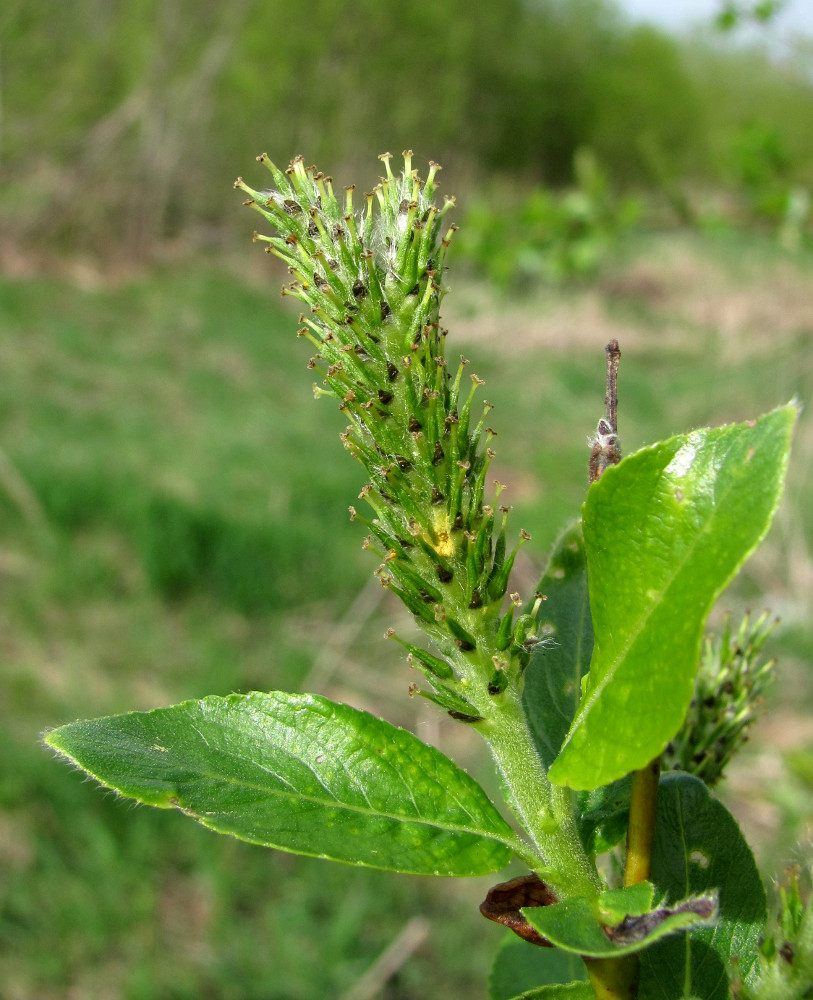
{"points": [[419, 821]]}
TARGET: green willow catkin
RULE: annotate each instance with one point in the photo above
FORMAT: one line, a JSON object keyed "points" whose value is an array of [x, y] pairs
{"points": [[373, 283], [729, 693]]}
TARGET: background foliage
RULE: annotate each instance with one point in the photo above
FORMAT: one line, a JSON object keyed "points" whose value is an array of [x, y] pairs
{"points": [[120, 121], [173, 504]]}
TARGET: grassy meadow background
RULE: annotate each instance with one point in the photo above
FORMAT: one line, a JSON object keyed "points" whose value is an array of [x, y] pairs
{"points": [[173, 502]]}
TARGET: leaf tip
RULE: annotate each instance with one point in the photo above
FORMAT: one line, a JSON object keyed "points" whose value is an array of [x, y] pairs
{"points": [[558, 774], [50, 738]]}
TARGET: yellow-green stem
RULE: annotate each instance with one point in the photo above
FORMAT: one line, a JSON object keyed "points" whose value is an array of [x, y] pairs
{"points": [[614, 978], [641, 829], [617, 978]]}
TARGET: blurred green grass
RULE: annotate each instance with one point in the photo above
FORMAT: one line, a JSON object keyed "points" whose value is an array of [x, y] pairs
{"points": [[168, 410], [173, 523]]}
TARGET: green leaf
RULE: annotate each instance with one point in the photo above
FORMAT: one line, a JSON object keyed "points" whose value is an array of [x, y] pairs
{"points": [[604, 815], [597, 929], [665, 531], [698, 846], [519, 967], [553, 677], [560, 991], [633, 901], [300, 773]]}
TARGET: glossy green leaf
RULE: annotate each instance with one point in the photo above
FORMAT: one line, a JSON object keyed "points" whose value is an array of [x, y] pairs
{"points": [[300, 773], [553, 678], [519, 967], [597, 929], [698, 846], [665, 531]]}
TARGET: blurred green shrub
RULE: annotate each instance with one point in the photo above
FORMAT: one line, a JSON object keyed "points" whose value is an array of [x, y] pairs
{"points": [[761, 168], [137, 102], [733, 13], [763, 172], [549, 237]]}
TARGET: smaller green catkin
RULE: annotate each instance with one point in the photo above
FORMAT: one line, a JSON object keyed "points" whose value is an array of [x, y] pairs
{"points": [[372, 284], [729, 690], [786, 947]]}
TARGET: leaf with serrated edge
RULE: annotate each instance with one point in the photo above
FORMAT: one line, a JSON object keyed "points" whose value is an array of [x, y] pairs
{"points": [[698, 846], [300, 773], [553, 678], [665, 531]]}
